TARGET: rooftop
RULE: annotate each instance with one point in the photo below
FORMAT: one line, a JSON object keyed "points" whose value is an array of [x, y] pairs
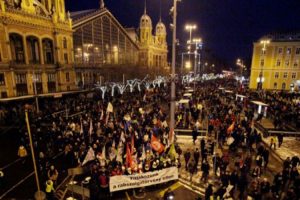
{"points": [[283, 36]]}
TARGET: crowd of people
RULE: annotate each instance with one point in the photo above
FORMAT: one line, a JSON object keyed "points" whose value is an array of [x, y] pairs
{"points": [[126, 134], [241, 168], [129, 134]]}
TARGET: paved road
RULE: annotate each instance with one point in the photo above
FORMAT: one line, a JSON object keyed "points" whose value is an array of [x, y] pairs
{"points": [[18, 176]]}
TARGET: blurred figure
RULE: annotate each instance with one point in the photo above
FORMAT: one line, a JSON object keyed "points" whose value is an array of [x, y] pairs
{"points": [[22, 153], [49, 190]]}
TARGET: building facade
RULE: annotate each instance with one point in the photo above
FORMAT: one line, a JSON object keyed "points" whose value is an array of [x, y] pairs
{"points": [[36, 48], [102, 48], [153, 48], [276, 64]]}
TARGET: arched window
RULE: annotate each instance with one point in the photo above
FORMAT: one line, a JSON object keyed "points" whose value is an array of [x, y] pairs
{"points": [[33, 50], [48, 51], [283, 86], [17, 48]]}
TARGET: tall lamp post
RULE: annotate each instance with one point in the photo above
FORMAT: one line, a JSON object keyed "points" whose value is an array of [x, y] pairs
{"points": [[39, 195], [196, 41], [264, 49], [240, 63], [190, 28], [173, 95]]}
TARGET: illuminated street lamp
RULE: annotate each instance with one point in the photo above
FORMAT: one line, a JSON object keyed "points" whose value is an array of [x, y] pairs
{"points": [[174, 40], [264, 49], [240, 63], [190, 28]]}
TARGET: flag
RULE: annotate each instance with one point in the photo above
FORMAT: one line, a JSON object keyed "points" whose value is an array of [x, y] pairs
{"points": [[230, 128], [89, 156], [91, 127], [102, 115], [103, 155], [120, 152], [143, 157], [81, 127], [112, 154], [171, 137], [128, 156], [122, 138], [172, 152], [156, 144], [110, 108]]}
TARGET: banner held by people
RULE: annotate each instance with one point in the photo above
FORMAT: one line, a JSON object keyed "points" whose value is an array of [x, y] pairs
{"points": [[118, 183]]}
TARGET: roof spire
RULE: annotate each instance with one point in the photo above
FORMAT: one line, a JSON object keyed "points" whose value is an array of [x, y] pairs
{"points": [[145, 8], [160, 11], [102, 4]]}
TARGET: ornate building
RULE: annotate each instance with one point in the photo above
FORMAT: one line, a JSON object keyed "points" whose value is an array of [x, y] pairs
{"points": [[276, 63], [102, 48], [35, 48], [153, 48], [45, 50]]}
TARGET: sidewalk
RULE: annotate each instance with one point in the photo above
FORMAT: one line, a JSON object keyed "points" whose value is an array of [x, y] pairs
{"points": [[289, 147]]}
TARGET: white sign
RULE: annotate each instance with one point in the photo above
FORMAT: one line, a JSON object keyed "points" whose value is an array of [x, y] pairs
{"points": [[117, 183]]}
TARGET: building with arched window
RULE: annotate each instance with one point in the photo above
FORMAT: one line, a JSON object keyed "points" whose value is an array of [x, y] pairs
{"points": [[35, 48]]}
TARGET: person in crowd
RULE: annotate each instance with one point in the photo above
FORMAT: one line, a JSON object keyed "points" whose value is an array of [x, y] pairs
{"points": [[187, 156], [196, 157], [205, 171], [22, 153], [208, 192], [280, 140], [52, 174], [49, 189]]}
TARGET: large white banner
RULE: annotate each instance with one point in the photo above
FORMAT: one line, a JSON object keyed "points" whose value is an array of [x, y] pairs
{"points": [[117, 183]]}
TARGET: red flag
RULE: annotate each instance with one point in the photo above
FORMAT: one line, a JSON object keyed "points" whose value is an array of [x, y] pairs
{"points": [[156, 144], [230, 128], [128, 157]]}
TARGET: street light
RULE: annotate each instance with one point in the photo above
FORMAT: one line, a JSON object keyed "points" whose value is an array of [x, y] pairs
{"points": [[173, 96], [240, 63], [190, 28], [264, 49]]}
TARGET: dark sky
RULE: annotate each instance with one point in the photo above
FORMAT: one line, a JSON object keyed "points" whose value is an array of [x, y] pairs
{"points": [[228, 27]]}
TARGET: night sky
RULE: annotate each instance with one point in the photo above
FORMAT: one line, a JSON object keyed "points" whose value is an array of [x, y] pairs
{"points": [[228, 27]]}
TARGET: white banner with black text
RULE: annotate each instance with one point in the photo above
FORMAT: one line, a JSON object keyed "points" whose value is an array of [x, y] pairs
{"points": [[124, 182]]}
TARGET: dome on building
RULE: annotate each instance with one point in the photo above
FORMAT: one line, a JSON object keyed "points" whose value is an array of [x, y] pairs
{"points": [[145, 21], [160, 28]]}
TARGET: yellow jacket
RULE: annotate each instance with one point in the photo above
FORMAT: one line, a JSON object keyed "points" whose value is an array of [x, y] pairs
{"points": [[22, 152], [49, 186]]}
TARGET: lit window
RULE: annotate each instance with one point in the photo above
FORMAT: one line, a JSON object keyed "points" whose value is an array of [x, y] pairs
{"points": [[287, 63], [277, 75], [65, 44], [289, 51], [67, 77], [66, 58], [285, 75], [2, 79], [294, 75], [278, 63], [283, 86]]}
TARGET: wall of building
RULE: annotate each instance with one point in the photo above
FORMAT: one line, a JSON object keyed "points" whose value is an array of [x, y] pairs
{"points": [[280, 65], [36, 50]]}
